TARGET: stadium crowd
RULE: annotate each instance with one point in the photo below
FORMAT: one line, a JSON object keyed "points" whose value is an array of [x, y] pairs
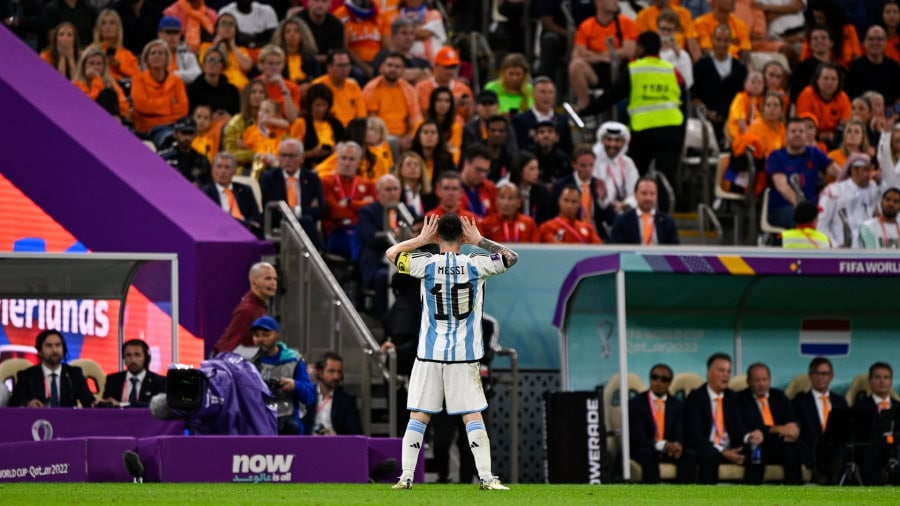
{"points": [[802, 85]]}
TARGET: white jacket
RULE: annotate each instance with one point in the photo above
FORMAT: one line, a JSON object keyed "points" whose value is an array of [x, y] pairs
{"points": [[860, 205]]}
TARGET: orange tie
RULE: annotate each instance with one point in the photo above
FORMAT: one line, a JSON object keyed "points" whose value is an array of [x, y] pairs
{"points": [[660, 421], [720, 417], [647, 222], [766, 412], [392, 218], [232, 204], [826, 410], [586, 200], [889, 438], [292, 192]]}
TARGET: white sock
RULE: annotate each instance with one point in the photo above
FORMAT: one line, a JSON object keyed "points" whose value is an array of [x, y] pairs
{"points": [[412, 443], [481, 449]]}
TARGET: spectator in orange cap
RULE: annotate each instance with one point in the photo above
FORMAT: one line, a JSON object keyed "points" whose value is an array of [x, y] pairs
{"points": [[446, 73]]}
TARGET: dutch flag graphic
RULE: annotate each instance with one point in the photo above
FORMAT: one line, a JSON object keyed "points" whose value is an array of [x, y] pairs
{"points": [[825, 337]]}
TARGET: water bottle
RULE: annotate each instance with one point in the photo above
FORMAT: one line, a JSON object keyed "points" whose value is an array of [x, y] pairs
{"points": [[755, 455]]}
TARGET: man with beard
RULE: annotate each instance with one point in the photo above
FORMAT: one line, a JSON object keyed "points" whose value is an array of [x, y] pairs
{"points": [[327, 30], [51, 383], [334, 411], [194, 166], [614, 168], [136, 385], [883, 232], [395, 101], [645, 224], [285, 372], [846, 204]]}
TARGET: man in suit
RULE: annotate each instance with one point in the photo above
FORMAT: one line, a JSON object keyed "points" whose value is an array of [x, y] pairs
{"points": [[51, 383], [524, 124], [656, 430], [582, 177], [646, 224], [371, 229], [234, 198], [718, 77], [872, 459], [136, 385], [713, 425], [812, 409], [335, 411], [768, 410], [301, 189]]}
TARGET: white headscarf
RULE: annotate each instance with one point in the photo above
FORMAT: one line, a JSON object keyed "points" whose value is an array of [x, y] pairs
{"points": [[605, 128]]}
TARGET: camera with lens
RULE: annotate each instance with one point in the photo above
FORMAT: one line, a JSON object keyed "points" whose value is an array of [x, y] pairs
{"points": [[274, 384]]}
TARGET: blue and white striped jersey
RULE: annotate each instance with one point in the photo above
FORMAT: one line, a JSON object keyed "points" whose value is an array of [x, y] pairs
{"points": [[452, 302]]}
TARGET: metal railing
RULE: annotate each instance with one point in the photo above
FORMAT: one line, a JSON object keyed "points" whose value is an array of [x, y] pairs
{"points": [[317, 316], [704, 213]]}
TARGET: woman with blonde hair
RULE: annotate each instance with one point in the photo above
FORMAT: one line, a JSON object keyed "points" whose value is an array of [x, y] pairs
{"points": [[376, 140], [854, 140], [296, 40], [64, 51], [159, 96], [233, 140], [93, 78], [513, 87], [108, 35], [415, 182]]}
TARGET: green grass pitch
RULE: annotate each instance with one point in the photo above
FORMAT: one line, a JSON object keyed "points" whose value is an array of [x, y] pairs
{"points": [[97, 494]]}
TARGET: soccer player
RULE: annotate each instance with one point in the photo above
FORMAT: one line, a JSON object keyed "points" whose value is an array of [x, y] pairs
{"points": [[450, 340]]}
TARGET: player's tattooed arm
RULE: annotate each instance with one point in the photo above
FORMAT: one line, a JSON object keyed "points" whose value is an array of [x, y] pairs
{"points": [[509, 256], [473, 236]]}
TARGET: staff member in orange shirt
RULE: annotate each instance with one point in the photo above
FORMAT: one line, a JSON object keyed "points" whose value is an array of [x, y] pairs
{"points": [[567, 228]]}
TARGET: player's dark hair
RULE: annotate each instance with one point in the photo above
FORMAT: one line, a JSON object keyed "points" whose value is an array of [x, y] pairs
{"points": [[450, 228], [39, 342], [717, 356], [880, 365], [755, 365], [664, 366], [816, 362], [328, 355], [143, 346]]}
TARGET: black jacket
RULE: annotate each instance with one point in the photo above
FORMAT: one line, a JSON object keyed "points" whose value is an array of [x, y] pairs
{"points": [[153, 384], [73, 386]]}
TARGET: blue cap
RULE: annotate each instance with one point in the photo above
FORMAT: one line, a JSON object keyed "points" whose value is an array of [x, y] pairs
{"points": [[265, 323], [169, 23]]}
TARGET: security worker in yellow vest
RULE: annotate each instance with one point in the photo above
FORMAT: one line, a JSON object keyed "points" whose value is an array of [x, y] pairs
{"points": [[804, 235], [657, 108]]}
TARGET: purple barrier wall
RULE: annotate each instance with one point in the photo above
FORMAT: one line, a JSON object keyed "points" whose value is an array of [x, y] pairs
{"points": [[112, 193], [21, 424], [65, 460], [382, 448], [256, 459]]}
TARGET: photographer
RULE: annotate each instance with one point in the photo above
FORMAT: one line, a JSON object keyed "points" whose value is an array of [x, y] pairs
{"points": [[285, 373]]}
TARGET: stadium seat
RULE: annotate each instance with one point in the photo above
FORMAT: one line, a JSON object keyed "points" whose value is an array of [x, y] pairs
{"points": [[799, 384], [738, 200], [684, 383], [697, 161], [764, 225], [150, 145], [859, 387], [667, 472], [612, 410], [92, 371], [738, 382], [11, 366], [254, 185]]}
